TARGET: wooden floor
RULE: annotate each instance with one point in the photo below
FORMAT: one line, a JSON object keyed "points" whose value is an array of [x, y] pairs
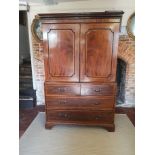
{"points": [[26, 116]]}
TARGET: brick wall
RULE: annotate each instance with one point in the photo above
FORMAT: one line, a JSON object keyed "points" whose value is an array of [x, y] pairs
{"points": [[38, 70], [126, 53]]}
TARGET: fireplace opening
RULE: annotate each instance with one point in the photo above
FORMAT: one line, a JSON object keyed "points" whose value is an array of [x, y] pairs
{"points": [[121, 76]]}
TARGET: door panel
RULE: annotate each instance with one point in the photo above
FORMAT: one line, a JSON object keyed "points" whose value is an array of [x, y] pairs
{"points": [[98, 52], [98, 57], [62, 52]]}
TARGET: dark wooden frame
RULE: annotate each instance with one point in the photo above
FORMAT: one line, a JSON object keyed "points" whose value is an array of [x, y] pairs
{"points": [[33, 30], [115, 14], [128, 27]]}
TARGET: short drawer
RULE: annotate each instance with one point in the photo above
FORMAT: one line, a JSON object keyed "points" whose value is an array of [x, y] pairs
{"points": [[70, 89], [106, 116], [98, 90], [80, 102]]}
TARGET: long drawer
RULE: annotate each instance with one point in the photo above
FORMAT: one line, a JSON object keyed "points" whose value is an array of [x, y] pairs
{"points": [[106, 116], [80, 102], [62, 89], [107, 89]]}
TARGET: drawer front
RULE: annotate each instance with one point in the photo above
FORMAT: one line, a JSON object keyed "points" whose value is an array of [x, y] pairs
{"points": [[84, 116], [73, 89], [98, 90], [79, 102]]}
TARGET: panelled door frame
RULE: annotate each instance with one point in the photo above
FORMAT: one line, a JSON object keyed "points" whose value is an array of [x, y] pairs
{"points": [[114, 28], [75, 28]]}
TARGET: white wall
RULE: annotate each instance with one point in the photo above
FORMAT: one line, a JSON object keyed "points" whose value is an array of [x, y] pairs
{"points": [[128, 6]]}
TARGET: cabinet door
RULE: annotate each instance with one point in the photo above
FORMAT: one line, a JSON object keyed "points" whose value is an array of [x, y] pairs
{"points": [[98, 52], [61, 52]]}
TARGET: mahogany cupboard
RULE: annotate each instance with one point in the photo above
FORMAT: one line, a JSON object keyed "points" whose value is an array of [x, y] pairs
{"points": [[80, 57]]}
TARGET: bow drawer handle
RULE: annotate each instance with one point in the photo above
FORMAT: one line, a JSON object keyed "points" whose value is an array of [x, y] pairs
{"points": [[97, 90], [96, 103], [63, 102], [61, 89], [98, 117]]}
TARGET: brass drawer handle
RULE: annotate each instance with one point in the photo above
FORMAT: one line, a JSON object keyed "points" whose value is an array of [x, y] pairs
{"points": [[62, 102], [64, 115], [97, 103], [98, 117], [61, 89], [97, 90]]}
